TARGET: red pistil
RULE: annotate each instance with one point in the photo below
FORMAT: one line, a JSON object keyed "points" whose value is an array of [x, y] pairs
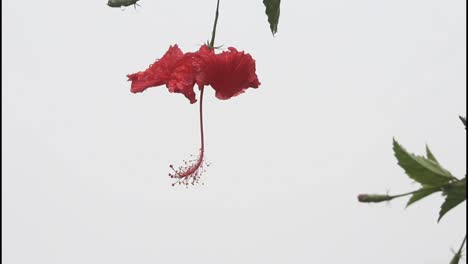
{"points": [[190, 172]]}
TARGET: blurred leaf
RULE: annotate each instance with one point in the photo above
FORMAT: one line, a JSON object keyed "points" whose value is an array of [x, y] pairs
{"points": [[456, 194], [430, 155], [424, 192], [456, 258], [121, 3], [273, 13], [421, 169], [463, 119]]}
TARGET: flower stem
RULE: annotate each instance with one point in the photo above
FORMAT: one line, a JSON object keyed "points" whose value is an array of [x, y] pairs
{"points": [[201, 123], [405, 194], [377, 198], [213, 33], [462, 245], [190, 172], [456, 258]]}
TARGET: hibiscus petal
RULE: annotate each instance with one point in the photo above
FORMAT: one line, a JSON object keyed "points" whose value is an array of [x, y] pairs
{"points": [[231, 73], [182, 79], [158, 73], [206, 56], [142, 80]]}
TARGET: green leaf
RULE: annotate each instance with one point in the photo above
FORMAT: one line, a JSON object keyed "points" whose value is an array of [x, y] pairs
{"points": [[424, 192], [421, 169], [456, 194], [121, 3], [430, 155], [273, 13], [456, 258], [463, 119]]}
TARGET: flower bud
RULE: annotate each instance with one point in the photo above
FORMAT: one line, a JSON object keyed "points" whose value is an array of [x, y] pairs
{"points": [[374, 198]]}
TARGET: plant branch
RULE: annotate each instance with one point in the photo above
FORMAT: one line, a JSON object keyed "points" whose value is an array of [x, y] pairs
{"points": [[213, 33]]}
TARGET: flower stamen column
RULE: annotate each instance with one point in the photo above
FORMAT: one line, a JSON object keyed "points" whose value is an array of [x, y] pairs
{"points": [[190, 173]]}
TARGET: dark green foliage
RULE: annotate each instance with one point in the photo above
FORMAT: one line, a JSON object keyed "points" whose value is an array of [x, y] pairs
{"points": [[430, 155], [426, 171], [463, 119], [456, 259], [433, 178], [120, 3], [273, 13], [422, 193], [455, 193]]}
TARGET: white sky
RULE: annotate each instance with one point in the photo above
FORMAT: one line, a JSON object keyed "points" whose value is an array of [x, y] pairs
{"points": [[86, 162]]}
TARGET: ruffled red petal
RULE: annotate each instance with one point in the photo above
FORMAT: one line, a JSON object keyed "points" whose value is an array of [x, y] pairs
{"points": [[201, 59], [158, 73], [182, 79], [231, 73]]}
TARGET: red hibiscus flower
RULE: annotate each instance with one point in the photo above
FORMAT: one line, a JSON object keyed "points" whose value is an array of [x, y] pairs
{"points": [[229, 73]]}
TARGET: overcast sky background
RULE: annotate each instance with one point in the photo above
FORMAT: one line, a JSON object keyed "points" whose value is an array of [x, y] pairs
{"points": [[86, 162]]}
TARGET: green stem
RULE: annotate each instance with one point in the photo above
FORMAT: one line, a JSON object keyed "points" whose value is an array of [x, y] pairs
{"points": [[462, 245], [439, 188], [213, 33], [458, 255], [410, 193]]}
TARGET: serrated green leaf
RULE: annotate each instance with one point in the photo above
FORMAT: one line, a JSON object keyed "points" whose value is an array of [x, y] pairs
{"points": [[463, 119], [456, 194], [424, 192], [421, 169], [273, 13], [430, 155]]}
